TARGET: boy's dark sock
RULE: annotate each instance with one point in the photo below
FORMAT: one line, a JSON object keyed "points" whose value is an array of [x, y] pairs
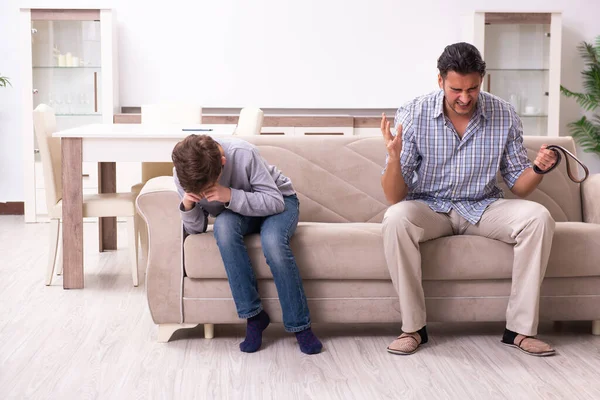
{"points": [[254, 329], [309, 343]]}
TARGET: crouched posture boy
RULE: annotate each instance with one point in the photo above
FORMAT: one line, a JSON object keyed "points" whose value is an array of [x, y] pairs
{"points": [[228, 178]]}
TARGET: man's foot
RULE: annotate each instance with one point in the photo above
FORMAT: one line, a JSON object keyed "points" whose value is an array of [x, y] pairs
{"points": [[309, 343], [254, 329], [405, 344], [408, 343], [527, 344]]}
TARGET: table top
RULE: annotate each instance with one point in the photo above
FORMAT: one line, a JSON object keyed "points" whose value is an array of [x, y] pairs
{"points": [[154, 131]]}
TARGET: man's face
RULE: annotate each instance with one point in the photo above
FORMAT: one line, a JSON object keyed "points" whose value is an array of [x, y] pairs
{"points": [[461, 91]]}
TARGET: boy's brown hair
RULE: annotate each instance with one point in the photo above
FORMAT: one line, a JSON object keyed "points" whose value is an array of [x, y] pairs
{"points": [[197, 161]]}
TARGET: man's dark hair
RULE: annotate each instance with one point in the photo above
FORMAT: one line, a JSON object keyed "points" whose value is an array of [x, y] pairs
{"points": [[197, 161], [462, 58]]}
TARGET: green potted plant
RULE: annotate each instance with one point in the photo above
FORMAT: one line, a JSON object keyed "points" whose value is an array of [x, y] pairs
{"points": [[586, 131], [4, 81]]}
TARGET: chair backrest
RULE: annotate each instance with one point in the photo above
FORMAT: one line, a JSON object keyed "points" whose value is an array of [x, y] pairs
{"points": [[44, 125], [168, 113], [171, 113], [250, 121]]}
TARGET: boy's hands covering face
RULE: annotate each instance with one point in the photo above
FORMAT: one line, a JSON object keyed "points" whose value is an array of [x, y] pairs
{"points": [[217, 193], [190, 200]]}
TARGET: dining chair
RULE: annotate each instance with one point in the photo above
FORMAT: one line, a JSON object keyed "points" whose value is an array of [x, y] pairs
{"points": [[250, 121], [94, 205]]}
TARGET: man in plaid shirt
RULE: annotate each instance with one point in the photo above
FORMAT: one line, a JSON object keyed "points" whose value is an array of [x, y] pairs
{"points": [[440, 176]]}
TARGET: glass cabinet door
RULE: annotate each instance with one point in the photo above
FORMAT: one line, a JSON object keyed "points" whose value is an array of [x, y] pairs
{"points": [[66, 68], [67, 71], [522, 52], [517, 58], [71, 59]]}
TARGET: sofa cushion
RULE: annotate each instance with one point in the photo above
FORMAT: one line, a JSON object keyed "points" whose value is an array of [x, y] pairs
{"points": [[322, 251], [575, 253], [355, 251]]}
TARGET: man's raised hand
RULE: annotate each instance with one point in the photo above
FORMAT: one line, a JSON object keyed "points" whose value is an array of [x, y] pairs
{"points": [[392, 143]]}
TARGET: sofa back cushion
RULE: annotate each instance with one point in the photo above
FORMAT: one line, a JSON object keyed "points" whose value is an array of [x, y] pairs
{"points": [[338, 178]]}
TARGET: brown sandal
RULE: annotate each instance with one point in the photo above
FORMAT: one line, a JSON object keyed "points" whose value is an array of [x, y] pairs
{"points": [[405, 345], [532, 350]]}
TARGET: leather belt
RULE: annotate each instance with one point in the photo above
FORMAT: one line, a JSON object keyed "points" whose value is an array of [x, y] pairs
{"points": [[557, 149]]}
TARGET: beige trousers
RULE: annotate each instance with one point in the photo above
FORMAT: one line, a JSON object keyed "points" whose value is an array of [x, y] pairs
{"points": [[526, 224]]}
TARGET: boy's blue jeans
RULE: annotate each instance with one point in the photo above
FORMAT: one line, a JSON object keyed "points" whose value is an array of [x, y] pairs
{"points": [[275, 233]]}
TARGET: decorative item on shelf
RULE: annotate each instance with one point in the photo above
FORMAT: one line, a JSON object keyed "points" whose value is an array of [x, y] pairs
{"points": [[586, 131], [515, 101], [531, 110], [66, 60]]}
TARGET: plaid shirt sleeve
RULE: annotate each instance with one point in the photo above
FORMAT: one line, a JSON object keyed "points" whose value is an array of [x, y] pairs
{"points": [[514, 160]]}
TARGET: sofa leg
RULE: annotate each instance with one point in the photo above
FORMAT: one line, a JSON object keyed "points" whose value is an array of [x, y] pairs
{"points": [[596, 327], [209, 331], [165, 331]]}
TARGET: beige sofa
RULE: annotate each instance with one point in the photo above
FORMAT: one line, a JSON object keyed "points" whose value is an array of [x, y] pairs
{"points": [[338, 246]]}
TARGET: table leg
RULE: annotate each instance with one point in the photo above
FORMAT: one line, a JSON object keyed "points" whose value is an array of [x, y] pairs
{"points": [[107, 226], [72, 213]]}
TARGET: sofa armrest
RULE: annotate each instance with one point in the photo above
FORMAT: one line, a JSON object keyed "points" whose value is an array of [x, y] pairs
{"points": [[158, 204], [590, 199]]}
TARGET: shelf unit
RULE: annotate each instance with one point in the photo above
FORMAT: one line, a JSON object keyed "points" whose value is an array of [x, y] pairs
{"points": [[69, 58], [522, 52]]}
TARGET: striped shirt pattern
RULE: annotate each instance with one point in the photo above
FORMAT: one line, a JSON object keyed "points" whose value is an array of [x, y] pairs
{"points": [[448, 172]]}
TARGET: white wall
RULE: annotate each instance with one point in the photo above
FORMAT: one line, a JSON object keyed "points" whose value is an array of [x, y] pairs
{"points": [[277, 53], [11, 186]]}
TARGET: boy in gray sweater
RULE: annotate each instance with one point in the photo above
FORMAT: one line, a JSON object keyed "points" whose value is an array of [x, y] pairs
{"points": [[227, 178]]}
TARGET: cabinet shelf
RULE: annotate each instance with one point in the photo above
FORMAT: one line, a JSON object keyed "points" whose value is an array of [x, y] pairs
{"points": [[533, 115]]}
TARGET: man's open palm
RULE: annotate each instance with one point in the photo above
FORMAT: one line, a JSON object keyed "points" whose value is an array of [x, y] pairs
{"points": [[392, 143]]}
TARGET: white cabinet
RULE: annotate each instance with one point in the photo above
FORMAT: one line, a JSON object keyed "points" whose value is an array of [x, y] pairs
{"points": [[70, 59], [522, 52]]}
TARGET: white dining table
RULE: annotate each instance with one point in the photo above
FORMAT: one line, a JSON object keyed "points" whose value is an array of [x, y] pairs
{"points": [[108, 144]]}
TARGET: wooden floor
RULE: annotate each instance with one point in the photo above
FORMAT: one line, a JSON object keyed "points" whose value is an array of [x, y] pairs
{"points": [[100, 343]]}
